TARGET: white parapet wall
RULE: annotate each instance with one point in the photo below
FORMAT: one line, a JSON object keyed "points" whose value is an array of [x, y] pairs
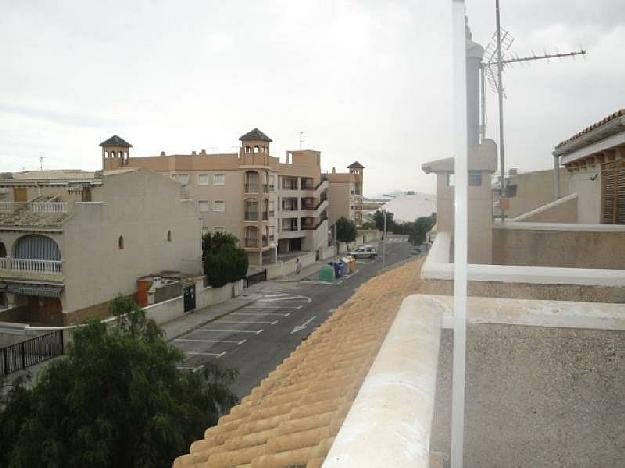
{"points": [[437, 266], [390, 420], [280, 269]]}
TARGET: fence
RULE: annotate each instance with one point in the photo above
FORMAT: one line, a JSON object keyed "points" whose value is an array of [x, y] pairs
{"points": [[19, 356], [255, 278], [30, 265]]}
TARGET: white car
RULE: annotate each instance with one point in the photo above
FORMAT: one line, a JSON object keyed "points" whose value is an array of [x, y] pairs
{"points": [[365, 251]]}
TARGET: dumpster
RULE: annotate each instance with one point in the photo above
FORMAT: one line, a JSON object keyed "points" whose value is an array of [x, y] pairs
{"points": [[338, 268], [351, 263], [326, 273]]}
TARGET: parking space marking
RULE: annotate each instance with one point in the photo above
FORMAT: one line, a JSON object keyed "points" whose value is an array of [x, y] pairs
{"points": [[257, 332], [262, 314], [255, 321], [197, 353], [188, 340]]}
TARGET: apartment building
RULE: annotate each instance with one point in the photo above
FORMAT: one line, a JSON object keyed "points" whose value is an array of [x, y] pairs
{"points": [[345, 193], [274, 208], [70, 241]]}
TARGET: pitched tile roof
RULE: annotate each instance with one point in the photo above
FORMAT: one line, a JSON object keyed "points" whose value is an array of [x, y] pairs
{"points": [[116, 141], [605, 120], [355, 165], [255, 135], [292, 417]]}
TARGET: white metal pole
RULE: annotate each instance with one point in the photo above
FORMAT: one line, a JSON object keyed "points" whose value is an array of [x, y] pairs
{"points": [[500, 93], [460, 230]]}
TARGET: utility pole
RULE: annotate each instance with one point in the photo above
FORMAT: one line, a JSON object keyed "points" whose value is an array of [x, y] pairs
{"points": [[384, 241]]}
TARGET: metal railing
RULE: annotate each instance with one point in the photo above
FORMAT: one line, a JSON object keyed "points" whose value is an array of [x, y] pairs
{"points": [[251, 242], [30, 265], [251, 188], [28, 353], [35, 207], [251, 216]]}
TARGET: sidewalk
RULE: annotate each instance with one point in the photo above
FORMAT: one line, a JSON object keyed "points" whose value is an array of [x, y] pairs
{"points": [[196, 319]]}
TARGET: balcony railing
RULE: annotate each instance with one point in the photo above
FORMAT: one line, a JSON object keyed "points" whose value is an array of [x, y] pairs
{"points": [[35, 207], [28, 265], [251, 216], [251, 188], [251, 242]]}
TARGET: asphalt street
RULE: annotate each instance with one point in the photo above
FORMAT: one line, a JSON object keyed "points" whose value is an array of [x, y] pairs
{"points": [[256, 338]]}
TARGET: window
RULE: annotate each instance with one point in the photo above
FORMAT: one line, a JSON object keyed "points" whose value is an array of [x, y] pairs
{"points": [[203, 205], [219, 205], [168, 236], [219, 229], [450, 179], [205, 230], [182, 179], [475, 178], [219, 179], [203, 179], [120, 242]]}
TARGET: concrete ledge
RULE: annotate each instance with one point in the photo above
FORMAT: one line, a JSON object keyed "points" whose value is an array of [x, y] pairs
{"points": [[530, 312], [390, 420], [528, 226], [437, 267]]}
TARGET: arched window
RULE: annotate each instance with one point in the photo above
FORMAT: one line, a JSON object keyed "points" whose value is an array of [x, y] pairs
{"points": [[120, 242], [168, 236], [35, 246]]}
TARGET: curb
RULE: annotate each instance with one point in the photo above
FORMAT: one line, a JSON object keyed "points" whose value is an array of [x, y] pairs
{"points": [[212, 319]]}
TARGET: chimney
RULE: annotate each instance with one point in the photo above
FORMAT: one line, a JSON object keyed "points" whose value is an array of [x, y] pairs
{"points": [[334, 170], [162, 153]]}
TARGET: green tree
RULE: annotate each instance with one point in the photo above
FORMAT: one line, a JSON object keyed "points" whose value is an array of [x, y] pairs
{"points": [[345, 230], [117, 399], [421, 227], [224, 261], [378, 218]]}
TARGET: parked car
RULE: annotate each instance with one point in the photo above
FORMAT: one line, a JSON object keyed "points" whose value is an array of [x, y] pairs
{"points": [[364, 251]]}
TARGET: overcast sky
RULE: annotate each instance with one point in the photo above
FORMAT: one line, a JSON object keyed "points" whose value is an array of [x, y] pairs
{"points": [[366, 80]]}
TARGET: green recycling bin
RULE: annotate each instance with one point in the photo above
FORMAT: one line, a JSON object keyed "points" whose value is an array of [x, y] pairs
{"points": [[326, 273]]}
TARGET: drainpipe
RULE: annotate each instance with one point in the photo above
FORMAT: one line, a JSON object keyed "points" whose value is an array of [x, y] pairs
{"points": [[556, 176]]}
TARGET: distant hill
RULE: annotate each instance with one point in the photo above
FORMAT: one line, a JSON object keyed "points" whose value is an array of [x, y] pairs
{"points": [[411, 207]]}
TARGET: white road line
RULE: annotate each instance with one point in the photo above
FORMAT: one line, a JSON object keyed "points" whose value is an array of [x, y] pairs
{"points": [[254, 314], [198, 353], [274, 307], [303, 325], [258, 332], [187, 340], [255, 321]]}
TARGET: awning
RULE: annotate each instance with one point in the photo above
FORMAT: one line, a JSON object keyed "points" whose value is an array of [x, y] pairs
{"points": [[39, 290]]}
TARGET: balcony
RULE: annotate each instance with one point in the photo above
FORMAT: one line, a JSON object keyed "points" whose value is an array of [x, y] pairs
{"points": [[34, 207], [251, 188], [251, 216], [251, 242], [31, 269]]}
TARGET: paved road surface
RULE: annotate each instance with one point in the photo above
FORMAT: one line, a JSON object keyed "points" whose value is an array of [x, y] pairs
{"points": [[258, 337]]}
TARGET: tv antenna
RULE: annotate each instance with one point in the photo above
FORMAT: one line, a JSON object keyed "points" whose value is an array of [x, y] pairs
{"points": [[492, 70], [301, 139], [41, 158]]}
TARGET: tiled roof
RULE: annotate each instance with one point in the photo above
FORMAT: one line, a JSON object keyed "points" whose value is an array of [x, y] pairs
{"points": [[618, 113], [355, 165], [292, 417], [116, 141], [25, 218], [255, 135], [61, 174]]}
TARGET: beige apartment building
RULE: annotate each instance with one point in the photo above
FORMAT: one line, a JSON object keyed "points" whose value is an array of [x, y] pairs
{"points": [[70, 241], [274, 208], [345, 194]]}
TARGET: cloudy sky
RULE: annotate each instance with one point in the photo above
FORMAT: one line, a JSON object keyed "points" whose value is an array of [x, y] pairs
{"points": [[367, 80]]}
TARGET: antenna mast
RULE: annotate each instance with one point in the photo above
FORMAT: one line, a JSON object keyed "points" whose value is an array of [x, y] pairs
{"points": [[41, 158], [301, 139], [492, 70]]}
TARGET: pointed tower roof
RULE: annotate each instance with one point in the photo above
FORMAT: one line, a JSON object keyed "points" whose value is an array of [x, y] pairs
{"points": [[255, 135], [116, 141], [355, 165]]}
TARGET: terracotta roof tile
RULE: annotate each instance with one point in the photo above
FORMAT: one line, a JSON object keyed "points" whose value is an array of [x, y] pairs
{"points": [[291, 418], [605, 120]]}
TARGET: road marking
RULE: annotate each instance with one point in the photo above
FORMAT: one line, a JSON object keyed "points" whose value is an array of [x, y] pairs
{"points": [[285, 314], [187, 340], [197, 353], [256, 321], [191, 368], [303, 325], [286, 298], [274, 307], [258, 332]]}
